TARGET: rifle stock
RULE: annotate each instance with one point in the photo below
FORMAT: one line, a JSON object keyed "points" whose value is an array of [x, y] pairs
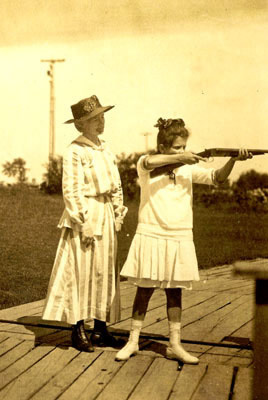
{"points": [[214, 152]]}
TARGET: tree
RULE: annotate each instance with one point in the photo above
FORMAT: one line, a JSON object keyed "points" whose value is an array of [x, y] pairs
{"points": [[16, 169], [251, 180], [53, 176], [127, 166]]}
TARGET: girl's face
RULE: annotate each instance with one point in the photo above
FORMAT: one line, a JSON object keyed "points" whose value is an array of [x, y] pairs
{"points": [[178, 146], [95, 125]]}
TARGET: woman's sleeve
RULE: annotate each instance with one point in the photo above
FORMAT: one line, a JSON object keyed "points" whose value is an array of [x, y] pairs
{"points": [[72, 187]]}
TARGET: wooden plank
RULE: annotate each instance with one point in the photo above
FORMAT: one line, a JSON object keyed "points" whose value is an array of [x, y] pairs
{"points": [[216, 383], [38, 335], [159, 299], [157, 314], [126, 379], [227, 356], [127, 297], [39, 374], [15, 354], [3, 336], [218, 269], [243, 384], [56, 338], [59, 383], [158, 381], [197, 313], [246, 331], [29, 330], [210, 326], [33, 322], [94, 379], [23, 309], [156, 301], [188, 381], [225, 285], [20, 366], [231, 322], [8, 345], [157, 348], [22, 336]]}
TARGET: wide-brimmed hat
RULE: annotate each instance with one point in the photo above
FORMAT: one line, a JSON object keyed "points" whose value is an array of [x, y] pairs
{"points": [[86, 109]]}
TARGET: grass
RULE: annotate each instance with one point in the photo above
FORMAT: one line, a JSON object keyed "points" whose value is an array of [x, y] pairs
{"points": [[29, 239]]}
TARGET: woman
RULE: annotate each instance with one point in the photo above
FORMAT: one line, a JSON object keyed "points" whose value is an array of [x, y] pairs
{"points": [[84, 282]]}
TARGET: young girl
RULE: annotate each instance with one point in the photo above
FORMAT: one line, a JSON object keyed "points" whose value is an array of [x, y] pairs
{"points": [[162, 253]]}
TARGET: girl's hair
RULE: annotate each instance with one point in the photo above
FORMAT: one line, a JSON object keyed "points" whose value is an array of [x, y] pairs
{"points": [[168, 130]]}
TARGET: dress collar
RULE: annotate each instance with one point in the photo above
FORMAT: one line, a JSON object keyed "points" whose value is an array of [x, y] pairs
{"points": [[84, 140]]}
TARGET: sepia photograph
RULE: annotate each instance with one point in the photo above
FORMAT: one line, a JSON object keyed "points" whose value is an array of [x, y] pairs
{"points": [[134, 200]]}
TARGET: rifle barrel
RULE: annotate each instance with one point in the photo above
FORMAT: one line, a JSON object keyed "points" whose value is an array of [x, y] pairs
{"points": [[230, 152], [214, 152]]}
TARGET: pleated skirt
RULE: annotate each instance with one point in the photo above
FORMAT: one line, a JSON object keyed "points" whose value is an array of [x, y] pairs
{"points": [[161, 262], [84, 282]]}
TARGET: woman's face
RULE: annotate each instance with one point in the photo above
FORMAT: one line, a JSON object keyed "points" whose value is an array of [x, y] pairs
{"points": [[95, 125], [178, 146]]}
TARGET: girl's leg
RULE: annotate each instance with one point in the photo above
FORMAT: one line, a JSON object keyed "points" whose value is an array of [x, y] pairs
{"points": [[175, 349], [173, 304], [140, 306], [141, 301]]}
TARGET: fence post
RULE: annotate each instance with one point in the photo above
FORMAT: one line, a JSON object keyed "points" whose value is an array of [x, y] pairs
{"points": [[258, 270]]}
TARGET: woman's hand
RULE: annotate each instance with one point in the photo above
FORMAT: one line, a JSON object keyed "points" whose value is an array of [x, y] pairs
{"points": [[188, 157], [87, 237], [118, 226], [243, 155], [87, 240]]}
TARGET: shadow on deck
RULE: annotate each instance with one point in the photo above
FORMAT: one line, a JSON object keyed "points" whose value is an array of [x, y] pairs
{"points": [[38, 362]]}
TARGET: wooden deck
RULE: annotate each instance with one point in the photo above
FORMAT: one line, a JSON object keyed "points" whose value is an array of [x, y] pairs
{"points": [[37, 362]]}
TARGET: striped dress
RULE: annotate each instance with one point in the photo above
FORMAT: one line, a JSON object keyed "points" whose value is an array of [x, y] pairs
{"points": [[84, 282]]}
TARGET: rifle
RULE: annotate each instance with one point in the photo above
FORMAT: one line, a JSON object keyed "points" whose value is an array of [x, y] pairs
{"points": [[207, 153]]}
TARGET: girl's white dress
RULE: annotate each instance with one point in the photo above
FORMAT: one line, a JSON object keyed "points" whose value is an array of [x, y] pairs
{"points": [[162, 253]]}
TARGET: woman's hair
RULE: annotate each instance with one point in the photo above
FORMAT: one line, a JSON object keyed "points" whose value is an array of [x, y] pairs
{"points": [[79, 125], [168, 130]]}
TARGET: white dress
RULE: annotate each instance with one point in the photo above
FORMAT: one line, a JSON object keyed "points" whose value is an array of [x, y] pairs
{"points": [[162, 253]]}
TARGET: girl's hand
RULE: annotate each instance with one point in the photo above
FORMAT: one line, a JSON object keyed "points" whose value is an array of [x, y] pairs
{"points": [[243, 155], [189, 157]]}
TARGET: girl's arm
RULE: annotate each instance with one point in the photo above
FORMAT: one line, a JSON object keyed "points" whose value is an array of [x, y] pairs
{"points": [[157, 160], [223, 173]]}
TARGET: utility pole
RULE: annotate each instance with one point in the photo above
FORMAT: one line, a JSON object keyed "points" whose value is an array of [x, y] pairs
{"points": [[146, 135], [50, 73]]}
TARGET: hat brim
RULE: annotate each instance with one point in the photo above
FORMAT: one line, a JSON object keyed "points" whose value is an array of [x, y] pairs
{"points": [[95, 112]]}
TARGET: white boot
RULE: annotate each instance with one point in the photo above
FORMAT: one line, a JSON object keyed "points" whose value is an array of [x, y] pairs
{"points": [[132, 346], [175, 350]]}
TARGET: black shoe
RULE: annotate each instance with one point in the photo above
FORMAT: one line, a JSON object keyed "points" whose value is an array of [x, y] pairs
{"points": [[106, 339], [80, 340]]}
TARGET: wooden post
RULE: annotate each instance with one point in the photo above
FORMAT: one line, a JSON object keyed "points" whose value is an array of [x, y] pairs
{"points": [[50, 73], [146, 135], [258, 270]]}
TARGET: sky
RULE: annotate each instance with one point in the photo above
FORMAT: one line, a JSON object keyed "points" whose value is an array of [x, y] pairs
{"points": [[205, 62]]}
